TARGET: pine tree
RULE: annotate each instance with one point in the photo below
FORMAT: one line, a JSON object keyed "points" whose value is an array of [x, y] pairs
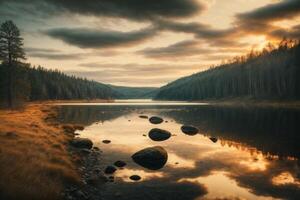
{"points": [[11, 52]]}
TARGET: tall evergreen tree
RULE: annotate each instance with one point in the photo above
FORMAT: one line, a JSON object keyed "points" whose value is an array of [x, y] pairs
{"points": [[11, 52]]}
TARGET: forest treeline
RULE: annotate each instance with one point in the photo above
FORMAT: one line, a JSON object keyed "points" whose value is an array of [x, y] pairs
{"points": [[273, 73], [37, 83], [19, 82]]}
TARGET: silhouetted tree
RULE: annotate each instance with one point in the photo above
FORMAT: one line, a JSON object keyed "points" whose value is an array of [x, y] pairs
{"points": [[11, 52]]}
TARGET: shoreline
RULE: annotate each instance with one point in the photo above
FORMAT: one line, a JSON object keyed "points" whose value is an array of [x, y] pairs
{"points": [[38, 160], [254, 103], [238, 102]]}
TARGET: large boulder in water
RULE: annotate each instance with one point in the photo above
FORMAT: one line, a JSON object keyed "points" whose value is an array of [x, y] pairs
{"points": [[156, 120], [151, 158], [189, 130], [213, 139], [82, 143], [158, 134]]}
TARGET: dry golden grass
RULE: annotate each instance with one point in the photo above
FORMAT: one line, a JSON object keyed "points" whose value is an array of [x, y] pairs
{"points": [[34, 160]]}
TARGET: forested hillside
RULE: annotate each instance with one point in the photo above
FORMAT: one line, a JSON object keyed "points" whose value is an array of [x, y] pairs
{"points": [[134, 92], [30, 83], [273, 73]]}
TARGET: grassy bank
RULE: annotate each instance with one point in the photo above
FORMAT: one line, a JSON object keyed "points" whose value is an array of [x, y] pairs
{"points": [[35, 162]]}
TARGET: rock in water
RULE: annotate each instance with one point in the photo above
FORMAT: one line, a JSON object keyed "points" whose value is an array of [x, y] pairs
{"points": [[106, 141], [135, 177], [156, 120], [213, 139], [189, 130], [157, 134], [110, 170], [151, 158], [143, 116], [120, 163], [82, 143]]}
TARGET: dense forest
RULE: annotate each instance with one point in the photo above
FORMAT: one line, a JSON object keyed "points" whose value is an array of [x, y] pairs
{"points": [[272, 73], [19, 82], [31, 83], [134, 92]]}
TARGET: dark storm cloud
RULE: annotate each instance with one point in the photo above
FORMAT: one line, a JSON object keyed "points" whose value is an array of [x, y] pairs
{"points": [[271, 12], [130, 9], [92, 38], [259, 21]]}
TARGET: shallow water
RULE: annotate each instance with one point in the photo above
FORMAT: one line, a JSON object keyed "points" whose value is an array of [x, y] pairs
{"points": [[256, 155]]}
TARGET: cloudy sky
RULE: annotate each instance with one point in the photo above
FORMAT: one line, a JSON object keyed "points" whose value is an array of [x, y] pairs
{"points": [[146, 42]]}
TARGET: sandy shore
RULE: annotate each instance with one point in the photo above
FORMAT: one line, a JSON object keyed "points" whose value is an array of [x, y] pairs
{"points": [[36, 158]]}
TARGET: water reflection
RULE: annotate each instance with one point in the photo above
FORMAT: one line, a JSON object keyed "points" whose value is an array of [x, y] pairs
{"points": [[240, 152]]}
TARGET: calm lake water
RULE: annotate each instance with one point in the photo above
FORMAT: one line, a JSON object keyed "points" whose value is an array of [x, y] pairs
{"points": [[256, 155]]}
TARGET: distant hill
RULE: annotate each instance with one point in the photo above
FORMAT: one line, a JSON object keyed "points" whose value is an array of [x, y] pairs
{"points": [[273, 73], [123, 92]]}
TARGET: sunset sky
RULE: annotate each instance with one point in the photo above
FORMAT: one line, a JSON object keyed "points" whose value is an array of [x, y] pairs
{"points": [[146, 42]]}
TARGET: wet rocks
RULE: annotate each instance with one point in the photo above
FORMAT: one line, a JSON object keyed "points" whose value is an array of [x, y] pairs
{"points": [[85, 151], [110, 170], [155, 120], [80, 195], [151, 158], [111, 179], [82, 143], [78, 127], [92, 176], [96, 148], [135, 177], [68, 128], [157, 134], [120, 163], [106, 141], [143, 116], [213, 139], [93, 180], [189, 130]]}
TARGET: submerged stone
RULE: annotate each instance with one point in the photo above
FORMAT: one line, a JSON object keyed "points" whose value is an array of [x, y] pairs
{"points": [[82, 143], [135, 177], [213, 139], [120, 163], [143, 116], [156, 120], [110, 170], [106, 141], [157, 134], [189, 130], [153, 158]]}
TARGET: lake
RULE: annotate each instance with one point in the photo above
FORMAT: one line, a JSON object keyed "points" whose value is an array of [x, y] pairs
{"points": [[239, 152]]}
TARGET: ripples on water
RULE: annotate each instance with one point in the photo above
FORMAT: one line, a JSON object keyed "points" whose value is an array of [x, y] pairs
{"points": [[256, 155]]}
